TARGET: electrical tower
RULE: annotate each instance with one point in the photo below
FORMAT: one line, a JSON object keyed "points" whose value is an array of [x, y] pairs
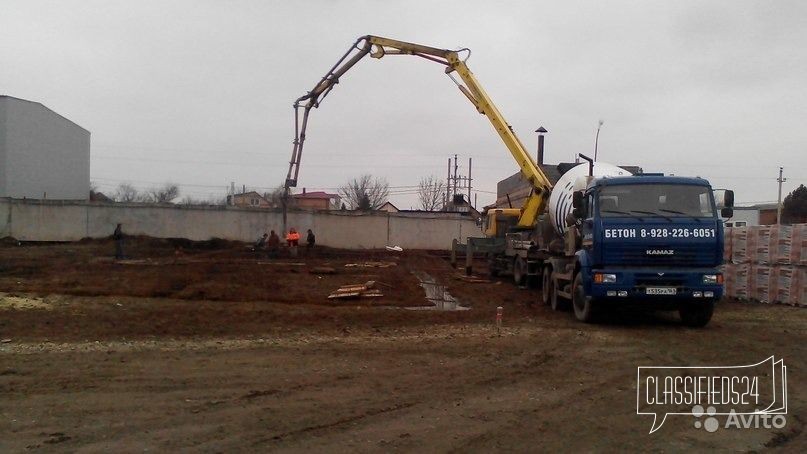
{"points": [[457, 185]]}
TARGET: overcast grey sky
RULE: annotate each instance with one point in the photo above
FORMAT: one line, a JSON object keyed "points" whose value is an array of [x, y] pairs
{"points": [[200, 92]]}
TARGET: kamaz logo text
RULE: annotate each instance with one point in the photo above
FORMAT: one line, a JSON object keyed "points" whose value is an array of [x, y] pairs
{"points": [[660, 252]]}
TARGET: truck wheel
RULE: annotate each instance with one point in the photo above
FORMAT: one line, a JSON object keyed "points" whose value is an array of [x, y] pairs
{"points": [[557, 302], [519, 271], [547, 289], [696, 314], [584, 306]]}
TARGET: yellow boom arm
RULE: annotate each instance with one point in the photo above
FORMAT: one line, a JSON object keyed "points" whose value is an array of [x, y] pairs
{"points": [[378, 47]]}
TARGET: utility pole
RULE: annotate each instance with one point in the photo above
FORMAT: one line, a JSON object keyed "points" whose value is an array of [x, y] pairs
{"points": [[779, 200], [448, 186], [455, 177], [469, 180]]}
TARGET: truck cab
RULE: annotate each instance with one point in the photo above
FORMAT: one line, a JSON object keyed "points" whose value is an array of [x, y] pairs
{"points": [[650, 239], [499, 221]]}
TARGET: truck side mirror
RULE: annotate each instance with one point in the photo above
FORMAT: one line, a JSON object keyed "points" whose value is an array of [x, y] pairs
{"points": [[728, 199], [577, 199], [726, 212]]}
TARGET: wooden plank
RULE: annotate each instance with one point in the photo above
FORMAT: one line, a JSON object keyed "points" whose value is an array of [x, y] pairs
{"points": [[344, 295], [352, 288], [365, 290], [372, 294]]}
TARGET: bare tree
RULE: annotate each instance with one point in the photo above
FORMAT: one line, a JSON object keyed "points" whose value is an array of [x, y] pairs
{"points": [[127, 193], [94, 197], [164, 194], [190, 200], [213, 200], [365, 192], [336, 203], [431, 193], [275, 197]]}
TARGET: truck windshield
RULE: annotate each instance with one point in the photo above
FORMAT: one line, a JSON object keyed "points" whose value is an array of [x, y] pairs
{"points": [[665, 200]]}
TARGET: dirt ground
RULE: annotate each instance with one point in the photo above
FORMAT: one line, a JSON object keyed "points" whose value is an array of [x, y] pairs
{"points": [[210, 347]]}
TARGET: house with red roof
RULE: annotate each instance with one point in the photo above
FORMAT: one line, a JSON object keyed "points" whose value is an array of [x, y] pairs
{"points": [[315, 200]]}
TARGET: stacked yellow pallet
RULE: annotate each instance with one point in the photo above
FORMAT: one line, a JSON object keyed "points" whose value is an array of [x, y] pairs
{"points": [[767, 263]]}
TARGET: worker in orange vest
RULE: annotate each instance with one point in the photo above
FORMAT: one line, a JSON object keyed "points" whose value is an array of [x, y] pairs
{"points": [[293, 239]]}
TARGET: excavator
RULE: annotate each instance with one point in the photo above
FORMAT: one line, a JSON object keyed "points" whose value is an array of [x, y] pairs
{"points": [[454, 61]]}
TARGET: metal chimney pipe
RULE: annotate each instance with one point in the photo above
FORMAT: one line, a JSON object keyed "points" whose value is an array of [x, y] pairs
{"points": [[541, 131]]}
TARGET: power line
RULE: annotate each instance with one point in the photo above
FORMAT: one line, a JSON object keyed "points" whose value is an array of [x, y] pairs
{"points": [[228, 152], [253, 163], [107, 181]]}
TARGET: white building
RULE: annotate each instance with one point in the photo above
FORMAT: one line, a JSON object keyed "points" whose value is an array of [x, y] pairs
{"points": [[43, 155], [761, 214]]}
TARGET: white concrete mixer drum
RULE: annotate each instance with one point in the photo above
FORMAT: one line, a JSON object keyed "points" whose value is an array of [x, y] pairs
{"points": [[560, 201]]}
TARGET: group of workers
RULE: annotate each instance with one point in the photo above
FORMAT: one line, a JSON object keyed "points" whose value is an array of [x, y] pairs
{"points": [[271, 242]]}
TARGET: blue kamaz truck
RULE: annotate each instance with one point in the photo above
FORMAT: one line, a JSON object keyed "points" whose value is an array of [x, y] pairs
{"points": [[649, 239]]}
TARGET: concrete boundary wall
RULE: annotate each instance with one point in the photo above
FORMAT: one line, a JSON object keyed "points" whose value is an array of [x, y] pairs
{"points": [[44, 220]]}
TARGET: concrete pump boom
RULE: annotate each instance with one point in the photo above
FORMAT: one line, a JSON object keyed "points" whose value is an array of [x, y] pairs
{"points": [[378, 47]]}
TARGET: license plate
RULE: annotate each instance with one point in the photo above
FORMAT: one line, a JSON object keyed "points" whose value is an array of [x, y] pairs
{"points": [[660, 291]]}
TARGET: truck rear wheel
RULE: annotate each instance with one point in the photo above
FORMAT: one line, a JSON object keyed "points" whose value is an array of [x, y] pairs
{"points": [[550, 294], [584, 306], [696, 314], [557, 302]]}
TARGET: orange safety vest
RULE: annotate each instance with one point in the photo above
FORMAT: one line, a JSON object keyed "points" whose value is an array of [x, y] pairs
{"points": [[293, 236]]}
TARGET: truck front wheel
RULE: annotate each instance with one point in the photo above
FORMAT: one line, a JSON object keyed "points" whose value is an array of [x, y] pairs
{"points": [[584, 306], [696, 314]]}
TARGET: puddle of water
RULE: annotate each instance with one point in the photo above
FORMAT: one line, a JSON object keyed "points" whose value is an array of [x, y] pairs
{"points": [[437, 295]]}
